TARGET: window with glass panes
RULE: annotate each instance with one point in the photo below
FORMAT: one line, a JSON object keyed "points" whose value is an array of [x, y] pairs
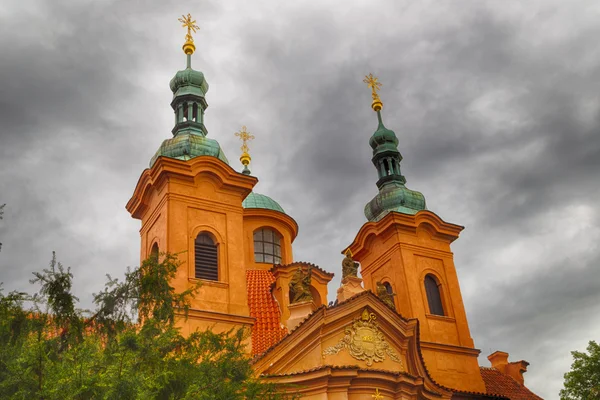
{"points": [[267, 246]]}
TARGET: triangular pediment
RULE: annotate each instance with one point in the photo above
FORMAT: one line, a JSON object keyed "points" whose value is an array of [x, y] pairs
{"points": [[362, 333]]}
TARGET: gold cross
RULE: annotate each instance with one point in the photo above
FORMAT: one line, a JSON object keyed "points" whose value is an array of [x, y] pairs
{"points": [[373, 83], [245, 137], [190, 25], [377, 395]]}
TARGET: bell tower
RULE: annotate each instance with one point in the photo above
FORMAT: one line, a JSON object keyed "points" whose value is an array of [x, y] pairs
{"points": [[406, 248], [190, 204]]}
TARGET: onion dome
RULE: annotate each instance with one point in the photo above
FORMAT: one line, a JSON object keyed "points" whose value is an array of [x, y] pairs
{"points": [[256, 200], [188, 81]]}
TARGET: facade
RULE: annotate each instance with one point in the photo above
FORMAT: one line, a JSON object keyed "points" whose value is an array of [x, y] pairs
{"points": [[398, 330]]}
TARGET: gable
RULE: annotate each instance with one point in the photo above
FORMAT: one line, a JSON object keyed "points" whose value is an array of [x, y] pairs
{"points": [[361, 332]]}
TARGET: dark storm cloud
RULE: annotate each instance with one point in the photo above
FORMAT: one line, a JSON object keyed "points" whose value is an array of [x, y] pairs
{"points": [[527, 317], [495, 106]]}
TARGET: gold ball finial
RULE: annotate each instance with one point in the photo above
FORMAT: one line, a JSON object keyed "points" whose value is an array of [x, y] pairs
{"points": [[188, 46], [374, 85]]}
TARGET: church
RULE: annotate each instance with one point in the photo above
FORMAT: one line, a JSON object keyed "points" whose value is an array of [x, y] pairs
{"points": [[398, 327]]}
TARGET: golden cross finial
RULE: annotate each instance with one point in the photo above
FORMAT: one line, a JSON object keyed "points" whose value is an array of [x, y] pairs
{"points": [[245, 158], [374, 85], [377, 395], [190, 25], [245, 137]]}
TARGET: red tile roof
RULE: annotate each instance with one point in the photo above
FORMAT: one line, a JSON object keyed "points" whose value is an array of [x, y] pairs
{"points": [[267, 329], [498, 383]]}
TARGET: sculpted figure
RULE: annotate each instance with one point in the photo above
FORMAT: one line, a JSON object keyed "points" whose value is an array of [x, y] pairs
{"points": [[385, 296], [300, 286], [349, 267]]}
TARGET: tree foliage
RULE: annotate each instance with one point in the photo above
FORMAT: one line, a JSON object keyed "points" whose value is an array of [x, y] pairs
{"points": [[583, 381], [129, 347]]}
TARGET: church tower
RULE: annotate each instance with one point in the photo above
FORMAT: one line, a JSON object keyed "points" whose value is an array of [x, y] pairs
{"points": [[190, 204], [406, 248]]}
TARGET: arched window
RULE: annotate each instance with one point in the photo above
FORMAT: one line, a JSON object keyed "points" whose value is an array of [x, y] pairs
{"points": [[206, 257], [434, 297], [154, 252], [267, 246]]}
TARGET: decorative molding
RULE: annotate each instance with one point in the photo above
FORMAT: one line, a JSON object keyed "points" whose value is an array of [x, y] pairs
{"points": [[364, 341]]}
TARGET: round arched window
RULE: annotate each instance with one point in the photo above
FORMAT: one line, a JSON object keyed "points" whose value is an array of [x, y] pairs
{"points": [[267, 246]]}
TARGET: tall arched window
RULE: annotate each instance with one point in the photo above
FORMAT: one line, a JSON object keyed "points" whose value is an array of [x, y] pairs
{"points": [[206, 257], [267, 246], [434, 298]]}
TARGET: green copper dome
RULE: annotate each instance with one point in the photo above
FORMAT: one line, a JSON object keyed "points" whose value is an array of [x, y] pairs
{"points": [[256, 200], [394, 196], [188, 145], [189, 81], [383, 139]]}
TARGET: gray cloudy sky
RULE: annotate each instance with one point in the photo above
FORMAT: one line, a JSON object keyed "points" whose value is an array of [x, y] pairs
{"points": [[495, 103]]}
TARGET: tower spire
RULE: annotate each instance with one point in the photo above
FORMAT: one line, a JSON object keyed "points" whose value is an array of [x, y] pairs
{"points": [[393, 195], [189, 104], [245, 158]]}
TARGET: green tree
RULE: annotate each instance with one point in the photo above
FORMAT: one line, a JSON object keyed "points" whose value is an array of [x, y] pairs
{"points": [[129, 347], [583, 381]]}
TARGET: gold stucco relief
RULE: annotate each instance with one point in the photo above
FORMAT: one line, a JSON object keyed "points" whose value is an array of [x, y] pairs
{"points": [[364, 341]]}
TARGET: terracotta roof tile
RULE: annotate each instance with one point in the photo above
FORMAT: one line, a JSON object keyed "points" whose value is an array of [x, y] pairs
{"points": [[502, 384], [267, 329]]}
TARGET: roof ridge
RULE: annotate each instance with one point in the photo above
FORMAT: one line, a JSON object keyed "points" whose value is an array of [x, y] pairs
{"points": [[312, 265]]}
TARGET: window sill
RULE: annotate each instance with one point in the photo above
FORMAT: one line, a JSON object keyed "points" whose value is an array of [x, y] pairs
{"points": [[440, 317], [205, 282]]}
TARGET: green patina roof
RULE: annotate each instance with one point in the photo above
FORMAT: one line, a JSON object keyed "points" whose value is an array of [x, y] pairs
{"points": [[394, 196], [256, 200], [383, 139], [188, 145], [189, 81]]}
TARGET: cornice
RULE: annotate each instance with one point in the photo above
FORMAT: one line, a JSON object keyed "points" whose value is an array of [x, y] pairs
{"points": [[438, 228], [164, 167]]}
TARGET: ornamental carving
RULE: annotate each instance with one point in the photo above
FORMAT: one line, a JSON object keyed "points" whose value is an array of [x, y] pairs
{"points": [[364, 341]]}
